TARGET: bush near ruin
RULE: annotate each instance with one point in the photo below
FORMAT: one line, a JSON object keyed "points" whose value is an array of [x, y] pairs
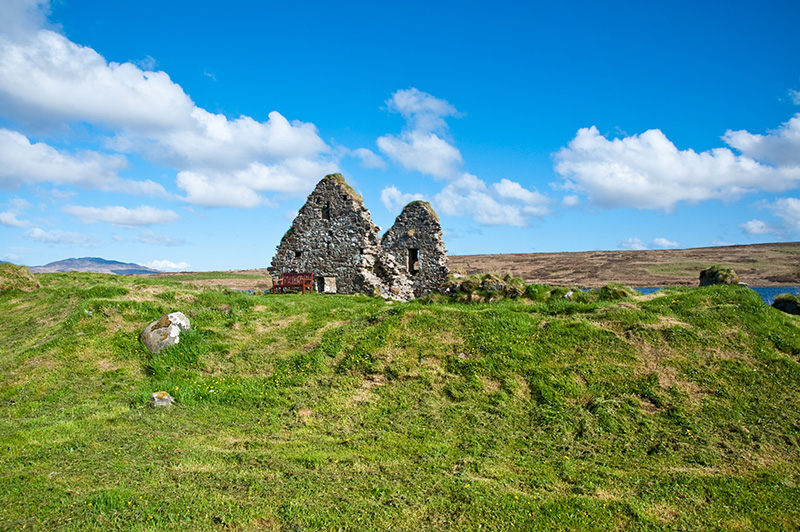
{"points": [[718, 275], [787, 303]]}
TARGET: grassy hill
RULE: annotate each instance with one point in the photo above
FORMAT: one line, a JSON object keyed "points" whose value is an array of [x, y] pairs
{"points": [[674, 411]]}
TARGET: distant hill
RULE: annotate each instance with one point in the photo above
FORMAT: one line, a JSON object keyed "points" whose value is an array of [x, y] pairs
{"points": [[95, 265]]}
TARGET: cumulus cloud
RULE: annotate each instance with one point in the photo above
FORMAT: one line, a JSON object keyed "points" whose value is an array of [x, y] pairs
{"points": [[144, 215], [368, 158], [779, 147], [422, 111], [756, 227], [424, 152], [9, 218], [647, 171], [243, 188], [637, 244], [788, 210], [15, 208], [57, 236], [18, 18], [394, 200], [664, 243], [423, 145], [47, 79], [26, 162], [168, 265], [632, 243], [532, 201], [490, 205]]}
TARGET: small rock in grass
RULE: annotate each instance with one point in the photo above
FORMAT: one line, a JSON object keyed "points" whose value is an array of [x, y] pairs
{"points": [[164, 332], [162, 399]]}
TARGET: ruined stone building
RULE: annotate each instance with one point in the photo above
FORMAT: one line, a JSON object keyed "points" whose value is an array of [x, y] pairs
{"points": [[333, 236]]}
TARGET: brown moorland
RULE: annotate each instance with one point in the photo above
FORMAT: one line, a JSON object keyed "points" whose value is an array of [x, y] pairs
{"points": [[773, 264], [756, 264]]}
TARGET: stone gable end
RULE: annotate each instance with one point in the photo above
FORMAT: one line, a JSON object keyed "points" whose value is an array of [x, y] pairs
{"points": [[334, 238]]}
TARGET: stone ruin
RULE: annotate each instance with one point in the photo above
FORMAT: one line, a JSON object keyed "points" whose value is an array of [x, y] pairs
{"points": [[333, 236]]}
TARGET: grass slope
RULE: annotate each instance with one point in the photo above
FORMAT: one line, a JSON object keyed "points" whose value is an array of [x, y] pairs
{"points": [[676, 411]]}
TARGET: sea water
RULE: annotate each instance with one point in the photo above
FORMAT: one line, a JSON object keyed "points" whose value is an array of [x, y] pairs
{"points": [[767, 293]]}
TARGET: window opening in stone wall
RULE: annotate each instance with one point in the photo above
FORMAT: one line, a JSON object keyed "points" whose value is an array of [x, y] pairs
{"points": [[326, 211], [297, 254], [413, 261]]}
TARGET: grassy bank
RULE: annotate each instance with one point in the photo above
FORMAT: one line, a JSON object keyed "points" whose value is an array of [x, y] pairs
{"points": [[672, 411]]}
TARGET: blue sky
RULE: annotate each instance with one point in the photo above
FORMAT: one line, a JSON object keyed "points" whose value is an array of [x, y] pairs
{"points": [[186, 135]]}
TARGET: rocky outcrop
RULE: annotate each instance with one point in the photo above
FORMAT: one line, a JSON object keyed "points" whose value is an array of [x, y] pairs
{"points": [[164, 332], [334, 238]]}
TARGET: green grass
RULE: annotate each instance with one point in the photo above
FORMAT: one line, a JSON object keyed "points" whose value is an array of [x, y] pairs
{"points": [[676, 411], [202, 276]]}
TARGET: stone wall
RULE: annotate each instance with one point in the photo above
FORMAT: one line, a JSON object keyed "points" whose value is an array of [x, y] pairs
{"points": [[333, 236], [415, 241]]}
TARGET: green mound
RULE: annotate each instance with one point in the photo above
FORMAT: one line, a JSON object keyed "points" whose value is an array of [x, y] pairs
{"points": [[550, 410], [14, 277]]}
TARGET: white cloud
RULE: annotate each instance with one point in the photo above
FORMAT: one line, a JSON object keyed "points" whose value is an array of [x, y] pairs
{"points": [[168, 265], [795, 96], [647, 171], [242, 188], [144, 215], [664, 243], [27, 163], [632, 243], [394, 200], [18, 18], [422, 111], [60, 237], [756, 227], [422, 146], [47, 79], [9, 217], [368, 158], [637, 244], [571, 200], [534, 202], [780, 147], [149, 237], [423, 151], [788, 210], [469, 195]]}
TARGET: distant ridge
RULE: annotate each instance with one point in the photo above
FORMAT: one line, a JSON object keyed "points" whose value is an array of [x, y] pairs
{"points": [[94, 265]]}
